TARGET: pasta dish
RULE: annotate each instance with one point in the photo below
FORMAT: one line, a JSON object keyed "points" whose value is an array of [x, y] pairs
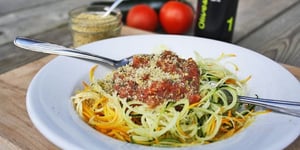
{"points": [[164, 100]]}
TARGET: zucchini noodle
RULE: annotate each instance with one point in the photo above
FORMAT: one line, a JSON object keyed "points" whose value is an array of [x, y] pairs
{"points": [[218, 115]]}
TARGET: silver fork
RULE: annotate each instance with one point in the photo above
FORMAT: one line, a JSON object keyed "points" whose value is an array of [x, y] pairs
{"points": [[280, 106], [45, 47]]}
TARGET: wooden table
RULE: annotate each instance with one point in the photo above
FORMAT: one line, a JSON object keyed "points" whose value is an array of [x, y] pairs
{"points": [[270, 27]]}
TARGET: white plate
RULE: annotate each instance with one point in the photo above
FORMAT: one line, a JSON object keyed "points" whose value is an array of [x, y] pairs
{"points": [[50, 108]]}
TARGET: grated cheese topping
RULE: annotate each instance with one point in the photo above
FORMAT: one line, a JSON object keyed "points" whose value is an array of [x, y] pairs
{"points": [[156, 78]]}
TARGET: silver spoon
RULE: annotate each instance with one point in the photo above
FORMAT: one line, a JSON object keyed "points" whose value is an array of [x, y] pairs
{"points": [[281, 106], [45, 47]]}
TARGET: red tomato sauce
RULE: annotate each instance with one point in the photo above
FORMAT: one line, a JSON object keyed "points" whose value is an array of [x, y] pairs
{"points": [[155, 79]]}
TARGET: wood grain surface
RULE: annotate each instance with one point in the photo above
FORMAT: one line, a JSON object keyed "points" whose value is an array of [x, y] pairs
{"points": [[253, 14], [270, 27], [35, 20], [17, 5], [17, 130], [278, 39]]}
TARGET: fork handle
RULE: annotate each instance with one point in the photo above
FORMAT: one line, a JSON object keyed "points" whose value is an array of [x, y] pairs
{"points": [[285, 107], [49, 48]]}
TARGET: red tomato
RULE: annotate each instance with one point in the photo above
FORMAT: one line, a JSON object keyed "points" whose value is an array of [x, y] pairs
{"points": [[176, 17], [142, 16]]}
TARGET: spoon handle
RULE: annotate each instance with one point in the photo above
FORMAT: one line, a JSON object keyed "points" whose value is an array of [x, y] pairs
{"points": [[45, 47], [112, 7]]}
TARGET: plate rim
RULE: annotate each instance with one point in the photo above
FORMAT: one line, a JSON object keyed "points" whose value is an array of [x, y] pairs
{"points": [[61, 143]]}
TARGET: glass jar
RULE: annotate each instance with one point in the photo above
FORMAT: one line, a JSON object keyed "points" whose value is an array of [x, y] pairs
{"points": [[88, 24]]}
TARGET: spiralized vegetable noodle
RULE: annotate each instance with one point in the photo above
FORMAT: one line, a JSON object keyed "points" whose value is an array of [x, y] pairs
{"points": [[210, 114]]}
